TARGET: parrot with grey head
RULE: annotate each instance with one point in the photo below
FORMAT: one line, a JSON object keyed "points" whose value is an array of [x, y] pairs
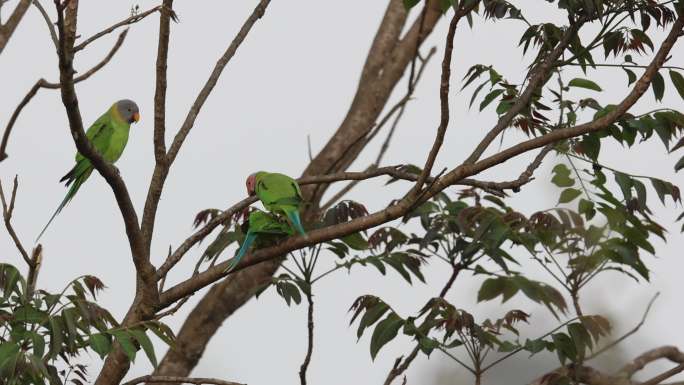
{"points": [[108, 135], [280, 194]]}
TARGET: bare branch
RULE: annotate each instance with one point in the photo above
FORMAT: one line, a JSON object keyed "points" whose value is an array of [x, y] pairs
{"points": [[443, 103], [48, 22], [665, 352], [214, 77], [7, 29], [185, 380], [131, 20], [7, 209], [629, 333], [400, 106], [309, 346], [42, 83], [162, 169]]}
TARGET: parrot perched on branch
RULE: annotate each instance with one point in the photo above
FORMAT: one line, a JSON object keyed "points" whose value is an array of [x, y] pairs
{"points": [[260, 224], [280, 194], [109, 135]]}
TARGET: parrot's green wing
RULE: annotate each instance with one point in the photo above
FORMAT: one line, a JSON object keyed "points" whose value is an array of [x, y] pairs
{"points": [[275, 189], [280, 194], [109, 136], [264, 223]]}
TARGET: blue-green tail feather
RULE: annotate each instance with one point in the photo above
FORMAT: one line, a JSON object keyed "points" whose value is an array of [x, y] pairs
{"points": [[69, 195], [249, 239], [293, 216]]}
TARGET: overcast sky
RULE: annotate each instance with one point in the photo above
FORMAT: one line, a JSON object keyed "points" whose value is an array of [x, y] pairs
{"points": [[294, 76]]}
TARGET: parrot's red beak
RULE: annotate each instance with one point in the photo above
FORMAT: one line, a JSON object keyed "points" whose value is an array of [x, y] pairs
{"points": [[136, 117]]}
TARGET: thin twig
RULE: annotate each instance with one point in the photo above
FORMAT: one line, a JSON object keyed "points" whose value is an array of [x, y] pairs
{"points": [[7, 210], [444, 106], [629, 333], [310, 329], [48, 22], [401, 106], [131, 20], [538, 76]]}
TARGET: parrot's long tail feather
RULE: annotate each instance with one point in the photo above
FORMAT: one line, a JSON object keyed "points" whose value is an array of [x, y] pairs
{"points": [[293, 216], [249, 239], [70, 194]]}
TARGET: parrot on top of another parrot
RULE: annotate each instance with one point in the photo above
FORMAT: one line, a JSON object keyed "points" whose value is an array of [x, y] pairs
{"points": [[109, 135], [279, 193], [260, 224]]}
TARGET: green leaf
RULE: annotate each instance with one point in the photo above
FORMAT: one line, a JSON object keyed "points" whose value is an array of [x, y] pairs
{"points": [[584, 83], [561, 177], [680, 164], [124, 339], [146, 344], [568, 195], [490, 97], [8, 354], [678, 81], [384, 332], [56, 337], [355, 241], [625, 183], [408, 4], [101, 344], [371, 316], [29, 314], [38, 344], [490, 289], [631, 76], [658, 85], [586, 207]]}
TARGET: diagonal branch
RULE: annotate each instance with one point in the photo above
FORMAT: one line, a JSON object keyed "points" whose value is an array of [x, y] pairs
{"points": [[7, 210], [184, 380], [453, 177], [128, 21], [539, 75], [7, 29], [161, 170], [48, 22]]}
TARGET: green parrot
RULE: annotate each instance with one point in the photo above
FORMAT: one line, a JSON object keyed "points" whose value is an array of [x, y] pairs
{"points": [[109, 135], [279, 193], [260, 224]]}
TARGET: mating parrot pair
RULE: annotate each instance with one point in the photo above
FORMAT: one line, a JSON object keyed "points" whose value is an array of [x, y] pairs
{"points": [[109, 135], [280, 195]]}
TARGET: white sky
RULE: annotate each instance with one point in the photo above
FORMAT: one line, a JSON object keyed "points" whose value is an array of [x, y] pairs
{"points": [[294, 76]]}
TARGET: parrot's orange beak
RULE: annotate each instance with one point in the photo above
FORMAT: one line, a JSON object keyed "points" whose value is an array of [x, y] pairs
{"points": [[136, 116]]}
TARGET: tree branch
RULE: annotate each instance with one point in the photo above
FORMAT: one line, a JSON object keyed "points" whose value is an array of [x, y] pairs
{"points": [[161, 171], [131, 20], [7, 29], [310, 330], [539, 76], [443, 104], [7, 210], [34, 262], [184, 380], [48, 22]]}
